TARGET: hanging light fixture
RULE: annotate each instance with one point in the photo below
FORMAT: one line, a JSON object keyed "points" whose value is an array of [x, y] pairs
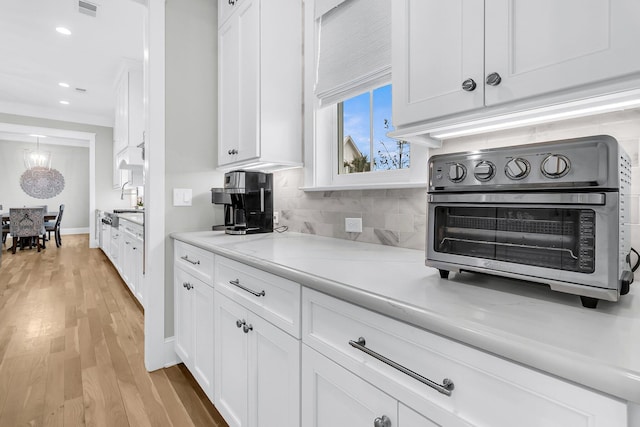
{"points": [[37, 158], [40, 180]]}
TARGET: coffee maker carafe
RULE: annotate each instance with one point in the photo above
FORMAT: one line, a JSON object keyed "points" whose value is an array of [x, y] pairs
{"points": [[248, 202]]}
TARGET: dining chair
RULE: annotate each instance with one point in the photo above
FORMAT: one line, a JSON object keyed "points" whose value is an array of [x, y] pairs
{"points": [[5, 231], [26, 223], [55, 228]]}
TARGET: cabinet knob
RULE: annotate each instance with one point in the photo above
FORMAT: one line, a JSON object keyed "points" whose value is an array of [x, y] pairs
{"points": [[240, 323], [493, 79], [469, 85], [382, 421], [247, 328]]}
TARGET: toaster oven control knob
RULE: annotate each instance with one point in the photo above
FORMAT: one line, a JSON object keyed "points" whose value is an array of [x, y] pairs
{"points": [[517, 168], [484, 171], [555, 166], [457, 172]]}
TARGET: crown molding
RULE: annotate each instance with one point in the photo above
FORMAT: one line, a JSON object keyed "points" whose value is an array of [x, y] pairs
{"points": [[55, 114]]}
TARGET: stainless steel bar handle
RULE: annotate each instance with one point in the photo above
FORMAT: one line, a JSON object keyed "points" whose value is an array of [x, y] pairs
{"points": [[445, 388], [244, 288], [186, 258]]}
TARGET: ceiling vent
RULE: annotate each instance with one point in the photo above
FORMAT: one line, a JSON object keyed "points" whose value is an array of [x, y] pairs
{"points": [[87, 8], [81, 90]]}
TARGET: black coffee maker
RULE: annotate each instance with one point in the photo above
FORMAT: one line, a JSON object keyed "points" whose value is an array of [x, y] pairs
{"points": [[247, 197]]}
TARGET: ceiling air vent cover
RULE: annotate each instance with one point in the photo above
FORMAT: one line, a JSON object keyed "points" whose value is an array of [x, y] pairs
{"points": [[87, 8]]}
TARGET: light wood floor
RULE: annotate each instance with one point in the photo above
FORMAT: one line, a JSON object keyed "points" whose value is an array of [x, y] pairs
{"points": [[71, 348]]}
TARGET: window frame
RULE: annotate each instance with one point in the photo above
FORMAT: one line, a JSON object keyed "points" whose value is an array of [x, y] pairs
{"points": [[321, 137]]}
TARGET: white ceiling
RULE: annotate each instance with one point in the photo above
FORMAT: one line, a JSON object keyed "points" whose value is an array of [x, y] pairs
{"points": [[35, 58]]}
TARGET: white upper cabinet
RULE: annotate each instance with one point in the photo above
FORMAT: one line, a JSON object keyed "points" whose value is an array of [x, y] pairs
{"points": [[128, 127], [465, 59], [437, 45], [548, 45], [260, 83]]}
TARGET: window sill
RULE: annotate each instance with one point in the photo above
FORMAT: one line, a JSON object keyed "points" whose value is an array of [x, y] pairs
{"points": [[377, 186]]}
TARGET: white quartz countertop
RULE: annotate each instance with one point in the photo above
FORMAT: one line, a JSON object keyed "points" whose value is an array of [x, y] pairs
{"points": [[136, 218], [520, 321]]}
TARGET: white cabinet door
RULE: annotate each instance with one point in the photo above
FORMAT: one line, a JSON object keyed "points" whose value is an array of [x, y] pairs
{"points": [[274, 376], [228, 83], [183, 315], [547, 45], [407, 417], [225, 9], [239, 51], [137, 275], [127, 261], [231, 356], [260, 84], [203, 325], [335, 397], [437, 45]]}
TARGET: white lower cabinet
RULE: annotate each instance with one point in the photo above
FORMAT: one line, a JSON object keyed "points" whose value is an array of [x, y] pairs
{"points": [[488, 391], [131, 260], [335, 397], [257, 369], [194, 327]]}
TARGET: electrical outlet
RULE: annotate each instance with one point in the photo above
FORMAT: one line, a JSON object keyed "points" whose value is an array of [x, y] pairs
{"points": [[276, 217], [353, 225]]}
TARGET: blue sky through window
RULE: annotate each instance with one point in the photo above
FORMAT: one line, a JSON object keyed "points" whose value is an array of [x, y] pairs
{"points": [[357, 124]]}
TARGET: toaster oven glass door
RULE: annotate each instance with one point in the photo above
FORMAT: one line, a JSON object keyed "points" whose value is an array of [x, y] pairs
{"points": [[557, 238]]}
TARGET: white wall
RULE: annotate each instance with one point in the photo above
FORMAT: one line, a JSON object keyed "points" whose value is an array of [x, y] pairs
{"points": [[191, 123], [106, 197], [71, 162]]}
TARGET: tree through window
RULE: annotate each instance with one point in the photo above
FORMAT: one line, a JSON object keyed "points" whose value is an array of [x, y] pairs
{"points": [[363, 144]]}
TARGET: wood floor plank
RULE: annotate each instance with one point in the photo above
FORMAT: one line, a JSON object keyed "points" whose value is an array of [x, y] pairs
{"points": [[174, 407], [54, 395], [72, 348], [74, 412]]}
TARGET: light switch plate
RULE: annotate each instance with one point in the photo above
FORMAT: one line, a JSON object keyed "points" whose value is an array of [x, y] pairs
{"points": [[182, 196]]}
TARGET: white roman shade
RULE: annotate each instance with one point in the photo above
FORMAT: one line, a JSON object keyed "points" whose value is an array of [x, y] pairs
{"points": [[354, 47]]}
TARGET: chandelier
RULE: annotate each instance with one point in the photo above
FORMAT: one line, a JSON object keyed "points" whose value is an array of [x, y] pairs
{"points": [[39, 180], [37, 158]]}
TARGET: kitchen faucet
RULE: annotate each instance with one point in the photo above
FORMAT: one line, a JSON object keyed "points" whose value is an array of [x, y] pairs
{"points": [[122, 191]]}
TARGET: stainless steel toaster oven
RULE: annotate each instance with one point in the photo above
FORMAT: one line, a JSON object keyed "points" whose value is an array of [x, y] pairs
{"points": [[554, 213]]}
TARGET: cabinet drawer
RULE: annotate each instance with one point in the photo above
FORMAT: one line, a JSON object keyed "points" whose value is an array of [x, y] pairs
{"points": [[488, 390], [272, 297], [194, 260]]}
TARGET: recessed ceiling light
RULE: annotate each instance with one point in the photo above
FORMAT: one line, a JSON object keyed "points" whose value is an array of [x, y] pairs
{"points": [[38, 136], [63, 84], [63, 30], [64, 102]]}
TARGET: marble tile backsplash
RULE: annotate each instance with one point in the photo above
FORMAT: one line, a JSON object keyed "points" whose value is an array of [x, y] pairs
{"points": [[398, 217]]}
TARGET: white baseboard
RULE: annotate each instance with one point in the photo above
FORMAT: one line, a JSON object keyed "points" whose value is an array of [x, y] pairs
{"points": [[81, 230]]}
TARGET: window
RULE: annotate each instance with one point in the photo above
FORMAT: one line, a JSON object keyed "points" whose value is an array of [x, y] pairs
{"points": [[363, 146], [348, 100]]}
